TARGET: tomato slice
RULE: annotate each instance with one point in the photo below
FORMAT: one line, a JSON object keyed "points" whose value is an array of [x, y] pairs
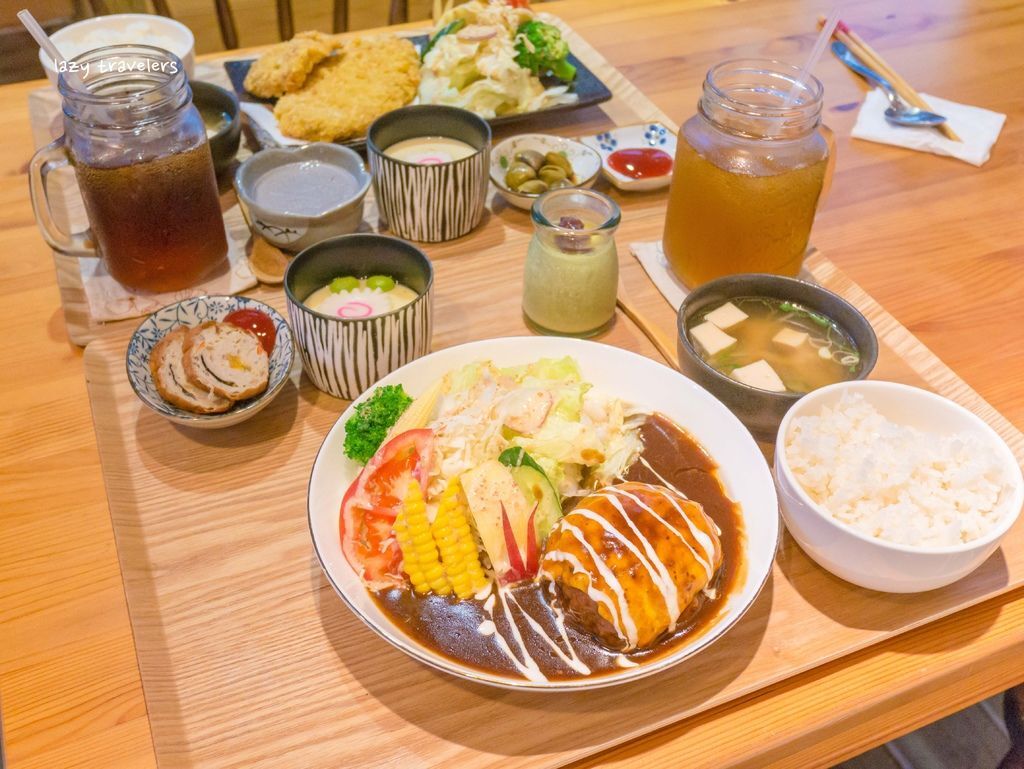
{"points": [[372, 502]]}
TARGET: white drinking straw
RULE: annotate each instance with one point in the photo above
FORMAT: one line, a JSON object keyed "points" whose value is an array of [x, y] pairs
{"points": [[812, 59], [46, 43]]}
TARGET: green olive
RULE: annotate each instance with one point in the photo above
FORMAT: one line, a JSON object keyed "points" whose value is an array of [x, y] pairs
{"points": [[560, 160], [519, 173], [347, 283], [532, 158], [532, 187], [551, 174], [383, 282], [561, 184]]}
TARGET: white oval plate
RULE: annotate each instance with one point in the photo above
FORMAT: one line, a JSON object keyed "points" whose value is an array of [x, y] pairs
{"points": [[743, 471]]}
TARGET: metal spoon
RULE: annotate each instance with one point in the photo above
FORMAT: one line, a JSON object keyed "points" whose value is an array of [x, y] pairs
{"points": [[898, 112]]}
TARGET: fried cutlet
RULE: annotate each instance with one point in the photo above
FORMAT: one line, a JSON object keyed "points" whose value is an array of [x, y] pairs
{"points": [[348, 91], [285, 66]]}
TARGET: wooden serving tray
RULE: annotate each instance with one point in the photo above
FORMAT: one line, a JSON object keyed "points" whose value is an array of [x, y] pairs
{"points": [[249, 659]]}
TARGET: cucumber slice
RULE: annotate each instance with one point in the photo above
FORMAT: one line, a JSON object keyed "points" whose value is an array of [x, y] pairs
{"points": [[537, 489]]}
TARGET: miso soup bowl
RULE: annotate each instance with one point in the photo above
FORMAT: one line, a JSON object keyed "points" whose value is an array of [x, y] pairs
{"points": [[759, 410], [344, 356], [874, 563], [436, 202]]}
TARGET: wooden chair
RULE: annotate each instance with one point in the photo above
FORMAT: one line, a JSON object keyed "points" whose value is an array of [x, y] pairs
{"points": [[398, 12]]}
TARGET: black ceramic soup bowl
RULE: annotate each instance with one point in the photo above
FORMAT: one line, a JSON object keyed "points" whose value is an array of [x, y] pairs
{"points": [[762, 410], [224, 142]]}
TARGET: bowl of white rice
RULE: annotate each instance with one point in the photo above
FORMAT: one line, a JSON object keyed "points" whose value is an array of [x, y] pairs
{"points": [[894, 488], [122, 28]]}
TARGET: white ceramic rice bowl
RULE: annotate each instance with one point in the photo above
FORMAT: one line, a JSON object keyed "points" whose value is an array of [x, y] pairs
{"points": [[743, 472], [874, 563]]}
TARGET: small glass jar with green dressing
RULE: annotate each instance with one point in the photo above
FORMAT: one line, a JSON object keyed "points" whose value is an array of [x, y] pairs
{"points": [[572, 268]]}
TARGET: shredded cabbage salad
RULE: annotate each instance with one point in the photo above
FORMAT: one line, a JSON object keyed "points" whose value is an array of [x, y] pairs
{"points": [[583, 439], [475, 67]]}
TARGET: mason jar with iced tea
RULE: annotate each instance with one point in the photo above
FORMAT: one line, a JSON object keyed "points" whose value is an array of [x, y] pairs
{"points": [[749, 171], [143, 167]]}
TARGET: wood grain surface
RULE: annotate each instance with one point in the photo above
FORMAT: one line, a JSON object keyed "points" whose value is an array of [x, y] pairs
{"points": [[938, 244], [246, 653]]}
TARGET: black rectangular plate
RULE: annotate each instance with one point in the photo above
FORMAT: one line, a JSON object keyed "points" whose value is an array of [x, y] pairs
{"points": [[587, 86]]}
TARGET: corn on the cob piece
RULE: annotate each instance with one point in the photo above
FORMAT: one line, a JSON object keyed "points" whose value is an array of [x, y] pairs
{"points": [[419, 553], [419, 412], [456, 543]]}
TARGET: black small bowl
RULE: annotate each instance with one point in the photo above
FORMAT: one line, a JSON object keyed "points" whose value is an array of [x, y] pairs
{"points": [[761, 410], [224, 143]]}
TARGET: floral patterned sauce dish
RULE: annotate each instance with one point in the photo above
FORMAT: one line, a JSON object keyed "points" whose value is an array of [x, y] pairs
{"points": [[299, 196], [636, 157], [190, 313]]}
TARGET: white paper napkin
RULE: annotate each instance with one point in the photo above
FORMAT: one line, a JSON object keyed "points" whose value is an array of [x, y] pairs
{"points": [[652, 257], [109, 300], [979, 128]]}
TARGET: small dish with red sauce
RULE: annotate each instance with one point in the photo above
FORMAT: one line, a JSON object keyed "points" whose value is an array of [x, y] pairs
{"points": [[265, 322], [636, 157]]}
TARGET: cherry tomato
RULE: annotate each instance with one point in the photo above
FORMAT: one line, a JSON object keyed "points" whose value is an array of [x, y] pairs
{"points": [[257, 322]]}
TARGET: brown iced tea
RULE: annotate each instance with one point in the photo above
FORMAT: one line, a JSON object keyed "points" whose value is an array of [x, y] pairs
{"points": [[157, 224], [723, 222]]}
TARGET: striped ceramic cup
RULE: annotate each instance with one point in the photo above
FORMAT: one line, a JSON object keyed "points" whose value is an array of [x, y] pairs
{"points": [[344, 356], [430, 201]]}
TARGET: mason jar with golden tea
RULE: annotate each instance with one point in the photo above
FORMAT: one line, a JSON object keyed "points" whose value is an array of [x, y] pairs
{"points": [[748, 174]]}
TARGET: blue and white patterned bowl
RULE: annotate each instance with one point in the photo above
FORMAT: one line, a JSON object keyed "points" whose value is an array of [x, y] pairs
{"points": [[633, 137], [344, 356], [192, 312]]}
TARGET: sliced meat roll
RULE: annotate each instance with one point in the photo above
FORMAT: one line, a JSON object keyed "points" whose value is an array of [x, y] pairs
{"points": [[166, 363], [226, 360]]}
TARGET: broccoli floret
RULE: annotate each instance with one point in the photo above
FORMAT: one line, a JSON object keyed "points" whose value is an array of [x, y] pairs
{"points": [[541, 49], [366, 429]]}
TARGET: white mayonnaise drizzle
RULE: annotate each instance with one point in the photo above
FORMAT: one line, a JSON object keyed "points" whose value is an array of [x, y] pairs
{"points": [[625, 627], [527, 666], [660, 477], [701, 538], [597, 596], [569, 659], [625, 662], [654, 565]]}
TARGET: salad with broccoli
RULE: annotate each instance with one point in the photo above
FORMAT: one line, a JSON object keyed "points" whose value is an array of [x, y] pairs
{"points": [[490, 57]]}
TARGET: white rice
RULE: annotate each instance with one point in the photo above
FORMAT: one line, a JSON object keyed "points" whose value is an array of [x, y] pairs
{"points": [[894, 482]]}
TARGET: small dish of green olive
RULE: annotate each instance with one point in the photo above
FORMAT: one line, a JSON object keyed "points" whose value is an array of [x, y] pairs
{"points": [[524, 167]]}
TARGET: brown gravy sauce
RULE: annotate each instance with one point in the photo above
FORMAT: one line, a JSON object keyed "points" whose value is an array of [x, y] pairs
{"points": [[451, 627]]}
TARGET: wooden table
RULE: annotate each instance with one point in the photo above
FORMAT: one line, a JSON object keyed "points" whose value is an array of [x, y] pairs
{"points": [[937, 242]]}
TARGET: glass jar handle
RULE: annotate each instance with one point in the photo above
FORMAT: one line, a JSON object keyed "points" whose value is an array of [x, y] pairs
{"points": [[50, 157]]}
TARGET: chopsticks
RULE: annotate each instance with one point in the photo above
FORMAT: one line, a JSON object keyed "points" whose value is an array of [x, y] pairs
{"points": [[871, 57]]}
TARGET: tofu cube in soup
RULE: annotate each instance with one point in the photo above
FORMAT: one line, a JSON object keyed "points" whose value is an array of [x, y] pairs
{"points": [[759, 374], [790, 337], [711, 338], [726, 316]]}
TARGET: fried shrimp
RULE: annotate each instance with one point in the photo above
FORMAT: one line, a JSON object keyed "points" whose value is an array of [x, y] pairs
{"points": [[348, 91], [285, 67]]}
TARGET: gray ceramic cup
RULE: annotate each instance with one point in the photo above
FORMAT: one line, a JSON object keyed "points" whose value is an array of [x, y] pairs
{"points": [[344, 356], [759, 410], [293, 232], [430, 203]]}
